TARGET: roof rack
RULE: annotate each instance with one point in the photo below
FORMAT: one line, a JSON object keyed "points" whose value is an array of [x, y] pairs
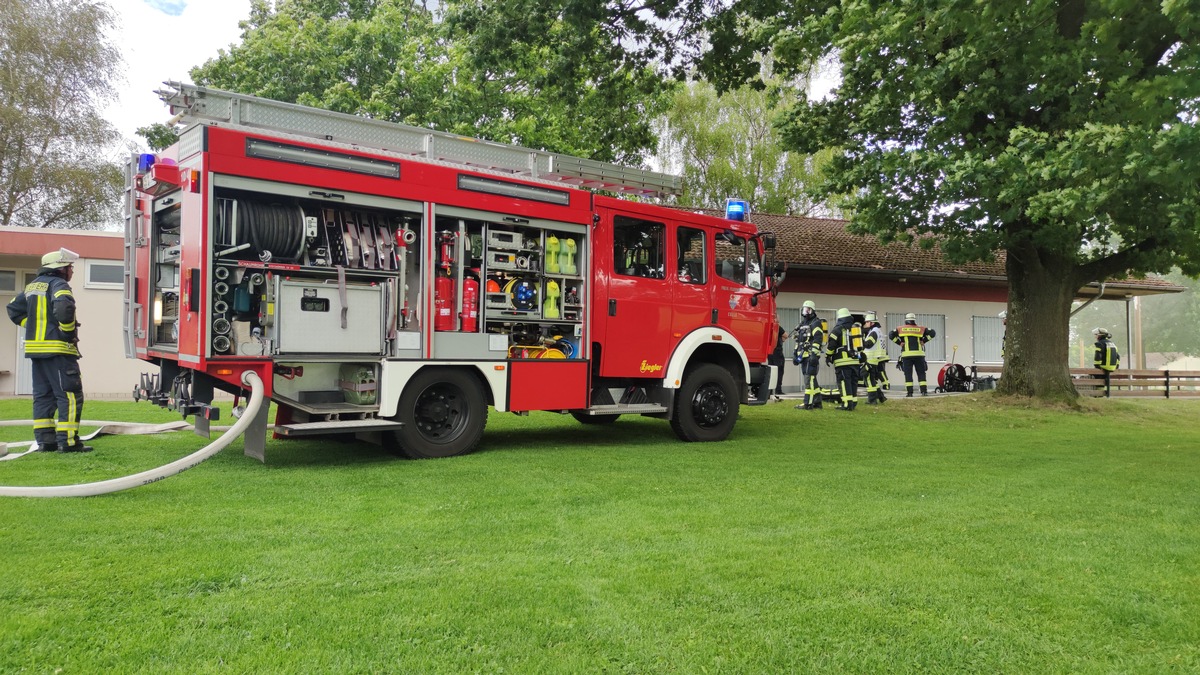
{"points": [[190, 104]]}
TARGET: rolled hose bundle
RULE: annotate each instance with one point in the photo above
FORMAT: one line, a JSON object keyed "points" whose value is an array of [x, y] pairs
{"points": [[249, 378]]}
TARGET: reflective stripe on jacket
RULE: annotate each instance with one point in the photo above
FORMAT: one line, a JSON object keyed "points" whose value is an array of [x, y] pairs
{"points": [[911, 339], [46, 309]]}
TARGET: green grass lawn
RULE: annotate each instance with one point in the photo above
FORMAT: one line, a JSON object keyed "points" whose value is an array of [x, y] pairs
{"points": [[943, 534]]}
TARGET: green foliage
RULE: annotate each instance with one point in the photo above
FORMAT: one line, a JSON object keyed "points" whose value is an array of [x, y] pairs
{"points": [[1171, 323], [1005, 539], [724, 145], [158, 135], [395, 60], [57, 71], [1062, 133]]}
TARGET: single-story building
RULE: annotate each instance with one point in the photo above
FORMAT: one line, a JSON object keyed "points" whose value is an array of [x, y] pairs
{"points": [[98, 288], [961, 302]]}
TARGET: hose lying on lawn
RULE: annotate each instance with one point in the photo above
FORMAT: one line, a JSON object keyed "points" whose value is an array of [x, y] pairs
{"points": [[105, 427], [249, 378]]}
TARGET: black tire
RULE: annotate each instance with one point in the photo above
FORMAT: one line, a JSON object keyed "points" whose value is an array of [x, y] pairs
{"points": [[706, 406], [443, 412], [584, 418]]}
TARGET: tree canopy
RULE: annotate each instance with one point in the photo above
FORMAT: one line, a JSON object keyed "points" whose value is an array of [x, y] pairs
{"points": [[398, 61], [56, 74], [726, 145], [1059, 132]]}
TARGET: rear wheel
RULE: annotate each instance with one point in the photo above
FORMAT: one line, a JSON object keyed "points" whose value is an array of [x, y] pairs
{"points": [[443, 412], [584, 418], [706, 406]]}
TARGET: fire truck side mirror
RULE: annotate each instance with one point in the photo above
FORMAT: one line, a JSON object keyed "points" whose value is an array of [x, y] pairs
{"points": [[768, 241]]}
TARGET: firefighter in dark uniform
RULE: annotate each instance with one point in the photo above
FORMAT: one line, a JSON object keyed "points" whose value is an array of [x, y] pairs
{"points": [[46, 310], [912, 339], [810, 343], [777, 359], [1105, 356], [844, 351]]}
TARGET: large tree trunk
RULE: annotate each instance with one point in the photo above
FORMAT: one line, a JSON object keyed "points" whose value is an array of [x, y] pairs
{"points": [[1041, 289]]}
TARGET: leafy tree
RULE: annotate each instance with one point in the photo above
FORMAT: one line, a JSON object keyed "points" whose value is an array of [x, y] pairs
{"points": [[1170, 322], [724, 145], [158, 135], [56, 73], [395, 60], [1059, 132]]}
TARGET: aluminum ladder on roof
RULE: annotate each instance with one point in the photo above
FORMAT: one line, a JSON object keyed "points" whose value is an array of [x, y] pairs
{"points": [[194, 104], [131, 315]]}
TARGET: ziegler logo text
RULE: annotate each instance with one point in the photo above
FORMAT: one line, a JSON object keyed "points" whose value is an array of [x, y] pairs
{"points": [[650, 367]]}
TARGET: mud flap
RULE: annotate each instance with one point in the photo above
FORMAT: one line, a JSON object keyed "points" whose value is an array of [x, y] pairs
{"points": [[761, 378], [254, 440]]}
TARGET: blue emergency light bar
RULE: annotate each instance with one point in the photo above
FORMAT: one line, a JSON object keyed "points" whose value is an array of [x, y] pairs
{"points": [[736, 209]]}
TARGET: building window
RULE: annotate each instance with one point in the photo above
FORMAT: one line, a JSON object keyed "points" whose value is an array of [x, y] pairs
{"points": [[8, 281], [104, 275], [935, 349], [988, 334]]}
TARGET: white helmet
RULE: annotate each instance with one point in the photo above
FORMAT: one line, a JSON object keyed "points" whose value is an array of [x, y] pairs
{"points": [[1003, 314], [910, 317], [63, 257], [1100, 332]]}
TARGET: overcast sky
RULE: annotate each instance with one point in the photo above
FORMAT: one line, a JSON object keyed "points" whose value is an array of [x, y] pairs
{"points": [[161, 40]]}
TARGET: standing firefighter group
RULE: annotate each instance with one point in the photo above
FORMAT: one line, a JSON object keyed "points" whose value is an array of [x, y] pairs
{"points": [[857, 352]]}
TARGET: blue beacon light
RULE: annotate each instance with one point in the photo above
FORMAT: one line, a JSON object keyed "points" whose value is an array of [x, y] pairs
{"points": [[736, 209]]}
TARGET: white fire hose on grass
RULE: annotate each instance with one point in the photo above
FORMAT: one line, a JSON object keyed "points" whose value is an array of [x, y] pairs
{"points": [[249, 378]]}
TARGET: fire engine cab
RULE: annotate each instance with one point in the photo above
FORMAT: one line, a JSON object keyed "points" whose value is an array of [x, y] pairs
{"points": [[395, 282]]}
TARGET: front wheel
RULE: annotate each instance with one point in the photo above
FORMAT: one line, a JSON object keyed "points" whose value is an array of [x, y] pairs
{"points": [[443, 412], [706, 406]]}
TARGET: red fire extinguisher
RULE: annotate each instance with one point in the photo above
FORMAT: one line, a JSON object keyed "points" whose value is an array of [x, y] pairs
{"points": [[470, 308], [443, 287]]}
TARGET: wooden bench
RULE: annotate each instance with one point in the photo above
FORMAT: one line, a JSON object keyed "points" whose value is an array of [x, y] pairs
{"points": [[1166, 383], [1089, 381]]}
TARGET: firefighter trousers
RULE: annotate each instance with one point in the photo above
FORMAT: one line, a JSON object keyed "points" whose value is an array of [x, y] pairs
{"points": [[809, 367], [910, 363], [57, 400]]}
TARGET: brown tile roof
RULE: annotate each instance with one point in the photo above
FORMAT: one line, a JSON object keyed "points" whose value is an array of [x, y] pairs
{"points": [[824, 242]]}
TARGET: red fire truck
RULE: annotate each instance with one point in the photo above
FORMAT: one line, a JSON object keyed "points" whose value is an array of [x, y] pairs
{"points": [[395, 282]]}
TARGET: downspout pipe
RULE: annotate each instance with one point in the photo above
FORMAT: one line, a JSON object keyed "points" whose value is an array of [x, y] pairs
{"points": [[249, 378]]}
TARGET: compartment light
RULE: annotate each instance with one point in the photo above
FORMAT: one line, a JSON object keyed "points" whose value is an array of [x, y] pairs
{"points": [[506, 189], [296, 154]]}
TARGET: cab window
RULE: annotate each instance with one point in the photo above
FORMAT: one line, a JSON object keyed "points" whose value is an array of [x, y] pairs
{"points": [[738, 260], [690, 248], [638, 249]]}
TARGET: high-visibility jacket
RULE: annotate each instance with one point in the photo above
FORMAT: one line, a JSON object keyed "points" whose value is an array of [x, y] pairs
{"points": [[46, 309], [1105, 355], [874, 346], [912, 339]]}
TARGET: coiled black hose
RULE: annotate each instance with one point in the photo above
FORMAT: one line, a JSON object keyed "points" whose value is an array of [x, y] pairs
{"points": [[278, 228]]}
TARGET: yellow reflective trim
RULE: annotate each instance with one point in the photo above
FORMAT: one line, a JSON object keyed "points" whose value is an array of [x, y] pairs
{"points": [[47, 423], [63, 292], [67, 327], [72, 414], [40, 330]]}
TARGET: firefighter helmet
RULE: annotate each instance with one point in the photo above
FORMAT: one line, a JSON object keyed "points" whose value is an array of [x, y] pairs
{"points": [[1003, 315], [843, 313], [63, 257], [910, 317], [1100, 332], [870, 318]]}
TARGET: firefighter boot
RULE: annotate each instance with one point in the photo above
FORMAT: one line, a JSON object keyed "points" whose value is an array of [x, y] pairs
{"points": [[909, 394], [872, 397], [924, 390], [78, 447], [817, 400], [852, 405]]}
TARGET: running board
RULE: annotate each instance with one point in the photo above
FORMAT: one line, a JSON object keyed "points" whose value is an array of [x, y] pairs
{"points": [[336, 427], [626, 409]]}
